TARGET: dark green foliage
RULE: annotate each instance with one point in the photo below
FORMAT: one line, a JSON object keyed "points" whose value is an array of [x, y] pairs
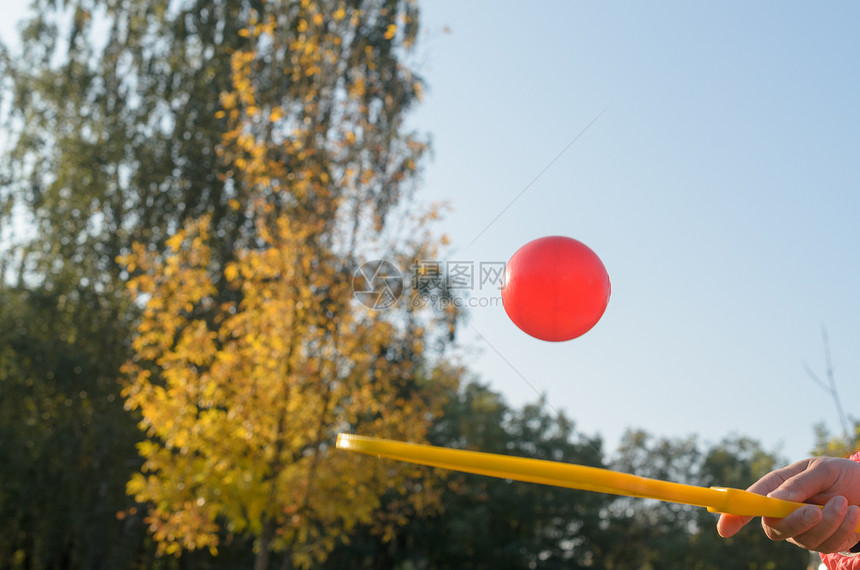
{"points": [[643, 534], [493, 523], [66, 445], [489, 522]]}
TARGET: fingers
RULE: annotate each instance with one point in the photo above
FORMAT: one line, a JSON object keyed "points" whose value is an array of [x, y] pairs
{"points": [[828, 529], [779, 478], [806, 480], [796, 524], [844, 536], [833, 482], [729, 525]]}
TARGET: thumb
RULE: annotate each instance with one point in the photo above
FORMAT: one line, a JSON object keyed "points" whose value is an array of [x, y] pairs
{"points": [[729, 525]]}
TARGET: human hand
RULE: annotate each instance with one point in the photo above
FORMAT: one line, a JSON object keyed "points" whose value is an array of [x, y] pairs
{"points": [[828, 481]]}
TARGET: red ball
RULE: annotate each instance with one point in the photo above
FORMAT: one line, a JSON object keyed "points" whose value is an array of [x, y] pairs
{"points": [[555, 288]]}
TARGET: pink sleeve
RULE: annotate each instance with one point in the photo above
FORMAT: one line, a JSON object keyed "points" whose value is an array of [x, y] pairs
{"points": [[838, 561]]}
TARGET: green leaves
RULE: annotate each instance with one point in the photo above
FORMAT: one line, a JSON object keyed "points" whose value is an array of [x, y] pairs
{"points": [[65, 441]]}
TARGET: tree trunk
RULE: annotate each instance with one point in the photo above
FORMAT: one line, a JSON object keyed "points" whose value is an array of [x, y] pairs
{"points": [[261, 561]]}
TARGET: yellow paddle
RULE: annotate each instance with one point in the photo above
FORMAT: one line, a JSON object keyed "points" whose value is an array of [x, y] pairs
{"points": [[715, 499]]}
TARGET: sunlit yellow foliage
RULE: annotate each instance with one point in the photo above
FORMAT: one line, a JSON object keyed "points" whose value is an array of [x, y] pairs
{"points": [[241, 415], [831, 445], [244, 373]]}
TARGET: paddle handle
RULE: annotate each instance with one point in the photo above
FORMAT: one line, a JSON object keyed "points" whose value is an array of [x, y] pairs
{"points": [[715, 499], [749, 504]]}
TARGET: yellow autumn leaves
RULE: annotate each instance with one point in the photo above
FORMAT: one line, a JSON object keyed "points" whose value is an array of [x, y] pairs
{"points": [[241, 401], [244, 370]]}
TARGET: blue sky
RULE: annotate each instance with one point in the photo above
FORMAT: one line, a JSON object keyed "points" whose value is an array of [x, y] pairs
{"points": [[719, 183]]}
